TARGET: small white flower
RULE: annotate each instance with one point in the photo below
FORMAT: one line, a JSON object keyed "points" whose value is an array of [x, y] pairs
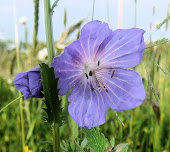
{"points": [[23, 20], [42, 54]]}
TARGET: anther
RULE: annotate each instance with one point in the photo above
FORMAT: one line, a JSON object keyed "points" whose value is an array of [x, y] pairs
{"points": [[112, 73], [90, 73], [91, 87], [98, 63], [86, 75], [106, 90]]}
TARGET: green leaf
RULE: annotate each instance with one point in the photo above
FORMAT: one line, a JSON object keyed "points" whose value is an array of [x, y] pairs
{"points": [[123, 147], [50, 92], [54, 5], [84, 143], [112, 142], [95, 139], [80, 149], [66, 146]]}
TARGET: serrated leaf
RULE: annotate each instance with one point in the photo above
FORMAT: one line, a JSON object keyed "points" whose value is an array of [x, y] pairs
{"points": [[96, 140], [51, 101], [123, 147]]}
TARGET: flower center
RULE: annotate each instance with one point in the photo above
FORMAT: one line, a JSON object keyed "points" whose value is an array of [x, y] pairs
{"points": [[90, 71]]}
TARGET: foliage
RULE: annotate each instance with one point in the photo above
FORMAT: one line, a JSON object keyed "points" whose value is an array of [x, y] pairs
{"points": [[96, 140], [50, 92]]}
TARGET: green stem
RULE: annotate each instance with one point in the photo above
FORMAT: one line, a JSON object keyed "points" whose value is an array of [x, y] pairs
{"points": [[56, 137], [75, 130], [49, 30], [135, 12], [108, 16], [93, 10], [17, 39], [10, 103], [131, 124], [50, 48], [75, 134], [19, 69], [22, 122], [26, 36]]}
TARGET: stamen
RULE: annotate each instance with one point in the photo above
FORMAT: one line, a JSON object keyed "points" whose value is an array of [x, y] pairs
{"points": [[98, 63], [112, 73], [90, 73], [91, 87], [86, 75], [105, 89]]}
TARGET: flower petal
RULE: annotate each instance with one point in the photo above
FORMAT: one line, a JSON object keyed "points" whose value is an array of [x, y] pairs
{"points": [[125, 90], [94, 28], [29, 83], [92, 35], [87, 107], [67, 67], [122, 49]]}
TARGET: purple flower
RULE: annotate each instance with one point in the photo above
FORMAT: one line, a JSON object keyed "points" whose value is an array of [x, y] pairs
{"points": [[29, 83], [94, 66]]}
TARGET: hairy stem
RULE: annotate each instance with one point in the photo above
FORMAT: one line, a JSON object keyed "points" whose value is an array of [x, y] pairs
{"points": [[50, 47], [56, 137], [49, 30]]}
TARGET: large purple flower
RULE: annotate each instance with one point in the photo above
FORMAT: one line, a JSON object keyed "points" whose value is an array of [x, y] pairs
{"points": [[94, 66], [29, 83]]}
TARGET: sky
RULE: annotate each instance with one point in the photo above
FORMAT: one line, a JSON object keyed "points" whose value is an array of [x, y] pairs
{"points": [[81, 9]]}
